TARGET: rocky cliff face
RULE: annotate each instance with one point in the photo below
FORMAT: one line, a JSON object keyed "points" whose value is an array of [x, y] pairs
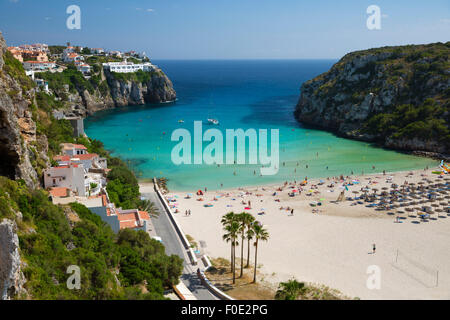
{"points": [[12, 279], [367, 83], [17, 128], [158, 89], [120, 92]]}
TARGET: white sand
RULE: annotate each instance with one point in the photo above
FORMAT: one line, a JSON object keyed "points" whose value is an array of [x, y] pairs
{"points": [[333, 247]]}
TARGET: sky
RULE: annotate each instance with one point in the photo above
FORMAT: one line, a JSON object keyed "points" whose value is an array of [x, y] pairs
{"points": [[227, 29]]}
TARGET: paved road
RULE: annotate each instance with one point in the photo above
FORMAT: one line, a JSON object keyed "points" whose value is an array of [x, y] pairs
{"points": [[173, 245]]}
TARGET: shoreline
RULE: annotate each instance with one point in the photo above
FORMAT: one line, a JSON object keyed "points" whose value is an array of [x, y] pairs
{"points": [[145, 181], [330, 244]]}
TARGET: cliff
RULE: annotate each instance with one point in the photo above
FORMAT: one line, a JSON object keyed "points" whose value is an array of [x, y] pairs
{"points": [[395, 96], [18, 136], [12, 279], [39, 240], [82, 96], [128, 90]]}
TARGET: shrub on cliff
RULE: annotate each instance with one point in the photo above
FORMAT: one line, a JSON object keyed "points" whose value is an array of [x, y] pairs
{"points": [[49, 244]]}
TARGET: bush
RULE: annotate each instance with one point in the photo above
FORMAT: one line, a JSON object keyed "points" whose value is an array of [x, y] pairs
{"points": [[94, 248]]}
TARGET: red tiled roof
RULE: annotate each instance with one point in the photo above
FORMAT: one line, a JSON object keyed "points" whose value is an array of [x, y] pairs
{"points": [[59, 192], [88, 156], [72, 146], [61, 158], [126, 216], [74, 165], [104, 200], [144, 215], [39, 62], [79, 146], [128, 224]]}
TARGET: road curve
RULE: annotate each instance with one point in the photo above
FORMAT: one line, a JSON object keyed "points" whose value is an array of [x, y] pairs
{"points": [[165, 229]]}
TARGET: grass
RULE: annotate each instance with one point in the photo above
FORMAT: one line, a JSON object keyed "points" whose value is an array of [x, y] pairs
{"points": [[244, 289]]}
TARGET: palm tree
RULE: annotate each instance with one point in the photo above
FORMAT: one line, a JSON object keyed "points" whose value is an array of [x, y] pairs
{"points": [[233, 231], [226, 221], [260, 234], [289, 290], [245, 219], [148, 206], [249, 235]]}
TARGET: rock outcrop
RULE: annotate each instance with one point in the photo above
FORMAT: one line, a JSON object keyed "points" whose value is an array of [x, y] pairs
{"points": [[118, 93], [157, 90], [17, 128], [364, 84], [12, 279]]}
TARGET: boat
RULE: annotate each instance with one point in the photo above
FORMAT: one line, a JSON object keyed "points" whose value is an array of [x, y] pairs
{"points": [[181, 121], [213, 121]]}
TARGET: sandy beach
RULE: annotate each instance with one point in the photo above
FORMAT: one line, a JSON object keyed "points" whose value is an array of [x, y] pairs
{"points": [[331, 243]]}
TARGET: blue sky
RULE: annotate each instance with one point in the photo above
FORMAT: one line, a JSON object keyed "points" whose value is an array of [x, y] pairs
{"points": [[227, 29]]}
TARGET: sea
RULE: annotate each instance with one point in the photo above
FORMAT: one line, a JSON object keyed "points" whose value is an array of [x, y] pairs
{"points": [[240, 94]]}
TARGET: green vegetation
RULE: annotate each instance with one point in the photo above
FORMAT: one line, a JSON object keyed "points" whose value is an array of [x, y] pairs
{"points": [[56, 131], [56, 49], [70, 77], [14, 69], [294, 290], [138, 76], [428, 122], [122, 187], [50, 242], [413, 78], [289, 290], [101, 59]]}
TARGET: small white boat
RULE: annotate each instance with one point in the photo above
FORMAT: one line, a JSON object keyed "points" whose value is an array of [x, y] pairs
{"points": [[213, 121], [180, 121]]}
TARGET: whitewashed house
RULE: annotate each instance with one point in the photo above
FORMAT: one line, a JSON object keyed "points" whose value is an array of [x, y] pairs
{"points": [[71, 176], [38, 65], [127, 67]]}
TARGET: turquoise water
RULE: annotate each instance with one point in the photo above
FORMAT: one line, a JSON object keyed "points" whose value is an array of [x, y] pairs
{"points": [[241, 94]]}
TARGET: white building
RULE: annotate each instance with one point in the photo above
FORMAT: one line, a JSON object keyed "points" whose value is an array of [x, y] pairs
{"points": [[72, 57], [71, 176], [126, 67], [38, 65], [71, 149], [98, 50], [83, 67]]}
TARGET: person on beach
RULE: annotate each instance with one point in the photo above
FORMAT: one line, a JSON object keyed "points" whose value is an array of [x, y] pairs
{"points": [[373, 248], [292, 212]]}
